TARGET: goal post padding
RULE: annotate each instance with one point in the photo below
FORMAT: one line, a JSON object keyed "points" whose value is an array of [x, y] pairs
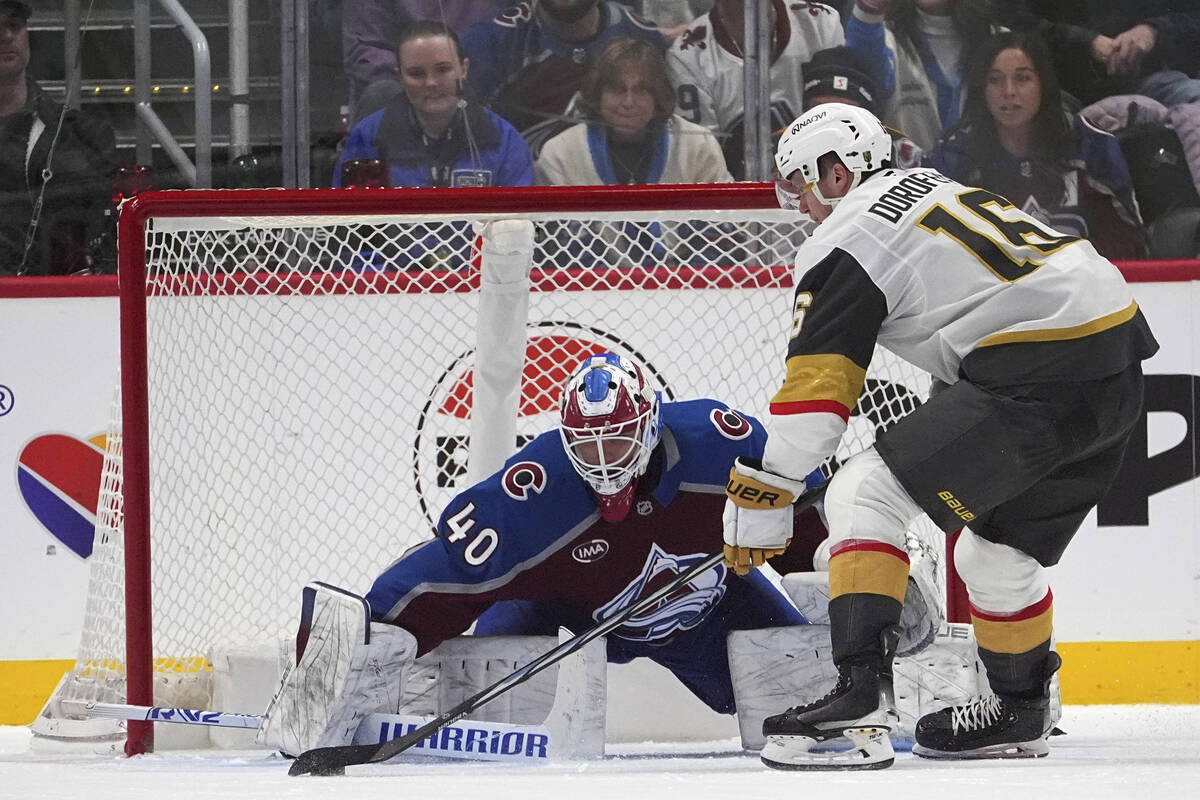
{"points": [[300, 387]]}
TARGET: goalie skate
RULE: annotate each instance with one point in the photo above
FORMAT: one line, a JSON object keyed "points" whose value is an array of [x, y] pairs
{"points": [[846, 729]]}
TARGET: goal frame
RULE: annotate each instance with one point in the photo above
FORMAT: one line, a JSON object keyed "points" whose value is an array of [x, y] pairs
{"points": [[131, 239]]}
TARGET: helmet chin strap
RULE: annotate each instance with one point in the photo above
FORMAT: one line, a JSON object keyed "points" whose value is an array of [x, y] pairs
{"points": [[855, 179]]}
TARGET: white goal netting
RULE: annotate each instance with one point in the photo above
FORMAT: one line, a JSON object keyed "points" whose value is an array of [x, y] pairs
{"points": [[312, 385]]}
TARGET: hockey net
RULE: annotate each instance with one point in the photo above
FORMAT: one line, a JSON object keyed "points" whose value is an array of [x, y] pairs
{"points": [[301, 387]]}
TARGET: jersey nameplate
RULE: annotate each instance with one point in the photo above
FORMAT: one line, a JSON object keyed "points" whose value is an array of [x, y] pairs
{"points": [[892, 204]]}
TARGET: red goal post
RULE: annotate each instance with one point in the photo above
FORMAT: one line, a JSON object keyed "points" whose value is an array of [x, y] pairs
{"points": [[304, 373]]}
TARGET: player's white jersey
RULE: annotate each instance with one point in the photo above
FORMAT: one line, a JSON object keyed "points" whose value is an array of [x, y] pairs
{"points": [[953, 279], [960, 268], [706, 67]]}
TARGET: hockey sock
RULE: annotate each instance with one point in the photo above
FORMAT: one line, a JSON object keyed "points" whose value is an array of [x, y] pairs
{"points": [[867, 581], [1015, 647]]}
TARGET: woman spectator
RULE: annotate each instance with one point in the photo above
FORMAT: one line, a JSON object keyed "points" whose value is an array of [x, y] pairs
{"points": [[431, 135], [632, 134], [1016, 140], [917, 58]]}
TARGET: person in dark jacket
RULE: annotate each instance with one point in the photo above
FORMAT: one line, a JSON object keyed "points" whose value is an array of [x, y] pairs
{"points": [[1016, 140], [432, 134], [1109, 47], [55, 167]]}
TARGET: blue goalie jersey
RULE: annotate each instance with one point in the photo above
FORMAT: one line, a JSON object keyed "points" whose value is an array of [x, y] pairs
{"points": [[528, 543]]}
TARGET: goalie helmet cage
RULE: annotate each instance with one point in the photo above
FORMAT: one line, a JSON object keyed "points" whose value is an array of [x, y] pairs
{"points": [[300, 383]]}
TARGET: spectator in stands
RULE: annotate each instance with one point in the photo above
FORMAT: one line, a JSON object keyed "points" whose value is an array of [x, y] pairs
{"points": [[706, 66], [529, 62], [1104, 47], [917, 58], [431, 134], [48, 153], [370, 29], [632, 135], [1016, 140], [840, 75]]}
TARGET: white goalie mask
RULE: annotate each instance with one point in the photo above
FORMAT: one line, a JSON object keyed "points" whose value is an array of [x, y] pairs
{"points": [[851, 133], [610, 425]]}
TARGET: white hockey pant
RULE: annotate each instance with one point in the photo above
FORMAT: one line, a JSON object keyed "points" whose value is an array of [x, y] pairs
{"points": [[865, 501], [1000, 579]]}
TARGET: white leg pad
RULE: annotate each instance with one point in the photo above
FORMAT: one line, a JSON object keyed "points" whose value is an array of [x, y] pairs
{"points": [[347, 668], [776, 668], [569, 699]]}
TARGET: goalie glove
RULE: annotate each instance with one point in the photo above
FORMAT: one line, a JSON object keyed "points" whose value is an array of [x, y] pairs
{"points": [[757, 521]]}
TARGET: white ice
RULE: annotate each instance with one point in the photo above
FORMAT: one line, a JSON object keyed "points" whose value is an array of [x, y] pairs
{"points": [[1141, 752]]}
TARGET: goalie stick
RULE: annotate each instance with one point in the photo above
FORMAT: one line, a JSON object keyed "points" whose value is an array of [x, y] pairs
{"points": [[334, 760]]}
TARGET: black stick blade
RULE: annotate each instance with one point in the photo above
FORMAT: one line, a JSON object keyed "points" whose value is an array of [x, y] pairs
{"points": [[331, 760]]}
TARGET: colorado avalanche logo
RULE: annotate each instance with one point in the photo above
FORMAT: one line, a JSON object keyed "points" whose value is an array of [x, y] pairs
{"points": [[683, 609], [523, 479], [731, 424]]}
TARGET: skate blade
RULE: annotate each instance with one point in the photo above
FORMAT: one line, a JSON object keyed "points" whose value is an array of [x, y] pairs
{"points": [[1035, 749], [870, 748]]}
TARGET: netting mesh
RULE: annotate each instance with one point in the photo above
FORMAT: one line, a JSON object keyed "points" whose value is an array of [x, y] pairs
{"points": [[311, 387]]}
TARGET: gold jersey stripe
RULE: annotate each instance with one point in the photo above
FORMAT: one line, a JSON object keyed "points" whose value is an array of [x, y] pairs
{"points": [[821, 377], [1062, 334], [1017, 636], [867, 571]]}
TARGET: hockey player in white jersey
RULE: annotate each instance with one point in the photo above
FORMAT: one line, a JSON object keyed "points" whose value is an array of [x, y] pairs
{"points": [[1035, 343]]}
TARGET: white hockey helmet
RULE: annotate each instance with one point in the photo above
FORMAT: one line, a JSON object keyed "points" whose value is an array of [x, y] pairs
{"points": [[853, 134]]}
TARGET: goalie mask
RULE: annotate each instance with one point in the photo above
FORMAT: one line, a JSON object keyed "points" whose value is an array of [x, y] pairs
{"points": [[851, 133], [611, 423]]}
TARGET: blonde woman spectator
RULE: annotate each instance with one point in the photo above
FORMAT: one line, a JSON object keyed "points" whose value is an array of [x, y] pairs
{"points": [[632, 134]]}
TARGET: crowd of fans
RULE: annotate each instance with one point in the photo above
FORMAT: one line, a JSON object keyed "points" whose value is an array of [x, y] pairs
{"points": [[1085, 113]]}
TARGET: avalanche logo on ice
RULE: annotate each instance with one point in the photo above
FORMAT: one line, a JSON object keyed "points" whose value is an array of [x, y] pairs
{"points": [[59, 478], [552, 351], [682, 609]]}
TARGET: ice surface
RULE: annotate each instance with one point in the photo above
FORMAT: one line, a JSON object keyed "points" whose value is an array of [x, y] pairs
{"points": [[1141, 752]]}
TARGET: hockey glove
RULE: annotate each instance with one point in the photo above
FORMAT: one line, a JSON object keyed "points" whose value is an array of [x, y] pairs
{"points": [[758, 514]]}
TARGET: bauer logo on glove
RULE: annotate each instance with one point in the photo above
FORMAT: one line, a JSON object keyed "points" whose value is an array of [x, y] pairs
{"points": [[747, 491]]}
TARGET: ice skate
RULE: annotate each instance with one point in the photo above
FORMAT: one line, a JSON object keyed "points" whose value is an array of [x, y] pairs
{"points": [[854, 719], [995, 726]]}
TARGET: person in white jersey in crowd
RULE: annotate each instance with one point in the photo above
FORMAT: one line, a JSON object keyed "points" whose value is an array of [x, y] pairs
{"points": [[1035, 343], [706, 66]]}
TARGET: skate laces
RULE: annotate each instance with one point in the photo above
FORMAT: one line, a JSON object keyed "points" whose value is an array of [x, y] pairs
{"points": [[977, 714]]}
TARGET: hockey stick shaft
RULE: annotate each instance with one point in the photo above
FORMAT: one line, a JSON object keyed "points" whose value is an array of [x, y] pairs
{"points": [[184, 716], [334, 760]]}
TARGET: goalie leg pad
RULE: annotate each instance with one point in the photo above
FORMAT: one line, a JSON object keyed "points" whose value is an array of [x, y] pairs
{"points": [[346, 667]]}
